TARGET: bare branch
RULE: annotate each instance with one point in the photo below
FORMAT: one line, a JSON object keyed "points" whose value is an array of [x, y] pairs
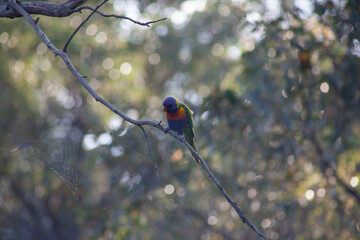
{"points": [[139, 123], [83, 22], [118, 16], [42, 8]]}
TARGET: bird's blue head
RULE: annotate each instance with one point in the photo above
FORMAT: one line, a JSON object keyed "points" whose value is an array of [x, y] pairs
{"points": [[171, 105]]}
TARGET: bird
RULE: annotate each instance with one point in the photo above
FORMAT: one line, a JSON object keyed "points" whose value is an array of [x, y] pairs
{"points": [[180, 119]]}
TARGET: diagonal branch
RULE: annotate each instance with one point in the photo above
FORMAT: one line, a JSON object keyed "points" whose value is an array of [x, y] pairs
{"points": [[138, 123], [78, 28], [118, 16]]}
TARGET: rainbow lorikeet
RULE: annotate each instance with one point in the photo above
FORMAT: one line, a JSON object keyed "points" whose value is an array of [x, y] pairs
{"points": [[180, 119]]}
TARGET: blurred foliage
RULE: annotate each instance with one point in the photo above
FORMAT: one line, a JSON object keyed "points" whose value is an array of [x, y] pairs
{"points": [[276, 93]]}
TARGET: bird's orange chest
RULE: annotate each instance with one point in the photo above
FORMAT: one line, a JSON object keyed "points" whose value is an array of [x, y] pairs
{"points": [[178, 115]]}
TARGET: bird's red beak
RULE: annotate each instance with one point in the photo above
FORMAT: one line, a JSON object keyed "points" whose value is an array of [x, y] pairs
{"points": [[164, 109]]}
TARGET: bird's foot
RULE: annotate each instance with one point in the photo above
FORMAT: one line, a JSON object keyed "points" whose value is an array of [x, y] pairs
{"points": [[167, 130], [182, 137]]}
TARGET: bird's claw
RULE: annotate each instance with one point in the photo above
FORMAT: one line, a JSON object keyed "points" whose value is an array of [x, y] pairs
{"points": [[167, 130], [181, 137]]}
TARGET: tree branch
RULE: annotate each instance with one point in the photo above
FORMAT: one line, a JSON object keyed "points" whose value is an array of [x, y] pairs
{"points": [[60, 10], [139, 123], [42, 8], [118, 16]]}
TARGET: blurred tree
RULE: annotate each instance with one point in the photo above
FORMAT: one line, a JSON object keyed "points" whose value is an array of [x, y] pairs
{"points": [[275, 88]]}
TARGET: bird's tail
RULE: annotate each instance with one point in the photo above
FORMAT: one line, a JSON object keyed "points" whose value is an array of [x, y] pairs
{"points": [[190, 140]]}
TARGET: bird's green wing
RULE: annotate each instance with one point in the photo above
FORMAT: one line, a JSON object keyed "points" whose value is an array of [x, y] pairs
{"points": [[189, 131], [189, 117]]}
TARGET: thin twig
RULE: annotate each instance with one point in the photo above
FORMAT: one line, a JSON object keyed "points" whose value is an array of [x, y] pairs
{"points": [[139, 123], [118, 16], [150, 152], [83, 22]]}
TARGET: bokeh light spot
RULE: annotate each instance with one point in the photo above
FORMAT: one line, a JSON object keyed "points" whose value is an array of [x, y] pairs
{"points": [[321, 192], [75, 21], [224, 206], [89, 142], [162, 30], [126, 68], [233, 53], [253, 17], [265, 223], [217, 49], [204, 37], [114, 74], [184, 55], [41, 48], [105, 139], [354, 181], [169, 189], [45, 65], [272, 196], [212, 220], [115, 123], [178, 18], [252, 193], [91, 30], [101, 37], [117, 151], [192, 6], [249, 46], [255, 205], [19, 66], [108, 63], [4, 37], [309, 194], [204, 91], [324, 87], [177, 156]]}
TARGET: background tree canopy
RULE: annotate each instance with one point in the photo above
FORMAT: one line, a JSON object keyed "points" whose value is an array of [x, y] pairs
{"points": [[275, 90]]}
